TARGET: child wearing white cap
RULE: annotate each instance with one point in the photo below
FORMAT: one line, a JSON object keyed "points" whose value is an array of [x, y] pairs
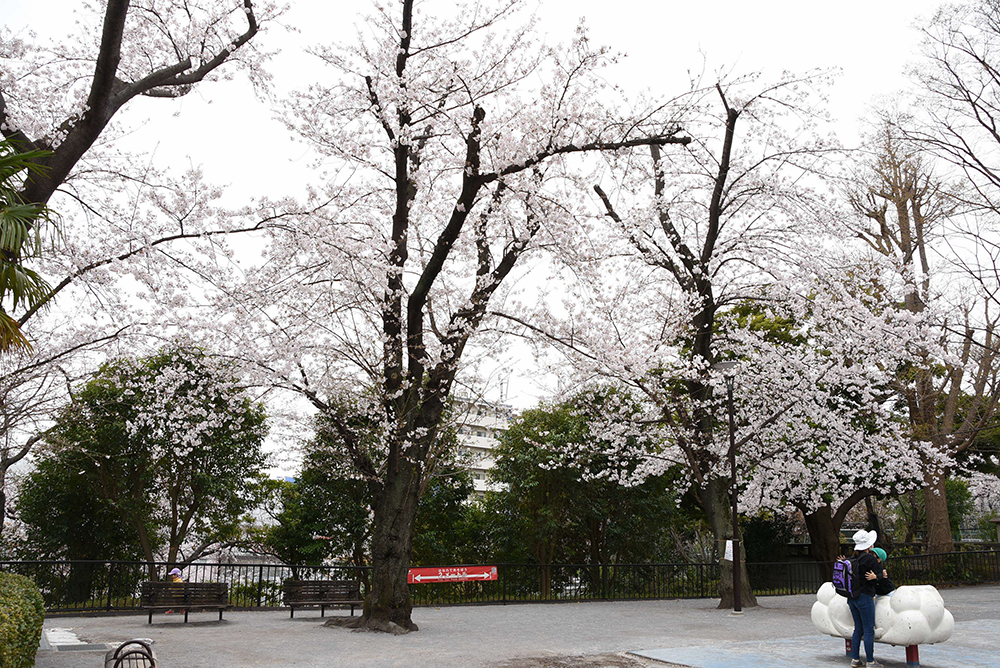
{"points": [[174, 576], [863, 604]]}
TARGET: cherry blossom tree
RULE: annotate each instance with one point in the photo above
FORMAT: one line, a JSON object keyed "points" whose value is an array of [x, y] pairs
{"points": [[130, 234], [64, 97], [64, 100], [732, 220], [122, 287], [952, 388], [958, 98], [859, 449], [448, 143]]}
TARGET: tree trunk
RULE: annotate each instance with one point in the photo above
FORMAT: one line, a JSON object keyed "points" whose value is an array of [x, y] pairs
{"points": [[912, 516], [939, 539], [824, 529], [3, 500], [824, 539], [147, 548], [545, 582], [388, 605], [80, 583], [715, 502], [359, 558], [875, 524]]}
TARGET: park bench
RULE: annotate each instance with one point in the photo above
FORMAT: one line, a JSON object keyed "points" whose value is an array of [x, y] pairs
{"points": [[184, 596], [301, 593], [131, 654]]}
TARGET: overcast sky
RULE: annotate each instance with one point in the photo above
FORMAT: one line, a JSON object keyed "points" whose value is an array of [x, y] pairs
{"points": [[223, 127], [871, 41]]}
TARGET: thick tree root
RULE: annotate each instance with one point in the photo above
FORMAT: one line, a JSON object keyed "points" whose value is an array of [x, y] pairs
{"points": [[369, 624]]}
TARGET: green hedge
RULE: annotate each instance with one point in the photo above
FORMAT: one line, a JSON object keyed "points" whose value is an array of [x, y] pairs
{"points": [[22, 612]]}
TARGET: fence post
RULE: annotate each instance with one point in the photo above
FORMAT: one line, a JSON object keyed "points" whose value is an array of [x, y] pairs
{"points": [[502, 571], [260, 584], [111, 580]]}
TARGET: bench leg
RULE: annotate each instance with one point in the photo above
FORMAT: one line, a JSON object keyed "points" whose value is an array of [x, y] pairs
{"points": [[185, 615], [150, 616], [322, 611], [352, 609], [912, 656], [220, 614], [292, 613]]}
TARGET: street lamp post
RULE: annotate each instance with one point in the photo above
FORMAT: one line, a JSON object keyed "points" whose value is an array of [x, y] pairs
{"points": [[733, 498]]}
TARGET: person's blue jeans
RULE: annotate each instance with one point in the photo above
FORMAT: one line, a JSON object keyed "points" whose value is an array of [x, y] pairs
{"points": [[863, 611]]}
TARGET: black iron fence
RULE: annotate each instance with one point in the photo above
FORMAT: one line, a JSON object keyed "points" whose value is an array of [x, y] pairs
{"points": [[87, 586], [531, 583], [81, 586], [952, 568]]}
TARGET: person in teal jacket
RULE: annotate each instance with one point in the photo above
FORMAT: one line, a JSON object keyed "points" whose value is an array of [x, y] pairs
{"points": [[883, 586]]}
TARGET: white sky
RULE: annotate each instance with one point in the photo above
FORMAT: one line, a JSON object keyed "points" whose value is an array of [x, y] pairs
{"points": [[224, 128], [233, 135]]}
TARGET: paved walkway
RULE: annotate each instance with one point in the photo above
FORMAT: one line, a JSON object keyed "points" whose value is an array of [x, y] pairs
{"points": [[567, 635]]}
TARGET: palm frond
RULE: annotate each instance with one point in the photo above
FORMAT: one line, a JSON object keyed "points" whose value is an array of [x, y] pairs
{"points": [[21, 237], [11, 337], [22, 285]]}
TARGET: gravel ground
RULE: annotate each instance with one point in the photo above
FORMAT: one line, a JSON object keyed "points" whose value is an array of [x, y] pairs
{"points": [[577, 635]]}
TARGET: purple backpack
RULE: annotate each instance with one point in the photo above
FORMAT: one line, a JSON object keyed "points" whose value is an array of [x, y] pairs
{"points": [[845, 577]]}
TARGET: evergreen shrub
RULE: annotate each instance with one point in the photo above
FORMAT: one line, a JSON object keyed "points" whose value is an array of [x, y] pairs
{"points": [[22, 612]]}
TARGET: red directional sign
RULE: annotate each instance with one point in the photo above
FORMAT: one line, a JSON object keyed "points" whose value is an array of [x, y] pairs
{"points": [[452, 574]]}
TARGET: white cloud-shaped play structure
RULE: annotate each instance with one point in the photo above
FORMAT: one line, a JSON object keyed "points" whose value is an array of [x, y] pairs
{"points": [[913, 615]]}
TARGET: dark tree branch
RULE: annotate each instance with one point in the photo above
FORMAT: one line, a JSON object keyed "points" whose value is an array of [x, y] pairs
{"points": [[471, 183], [27, 315], [108, 94], [715, 208], [658, 140]]}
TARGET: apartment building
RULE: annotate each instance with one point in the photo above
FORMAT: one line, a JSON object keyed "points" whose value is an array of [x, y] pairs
{"points": [[480, 423]]}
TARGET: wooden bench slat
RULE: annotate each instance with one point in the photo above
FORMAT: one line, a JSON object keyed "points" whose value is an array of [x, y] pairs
{"points": [[312, 593], [185, 596]]}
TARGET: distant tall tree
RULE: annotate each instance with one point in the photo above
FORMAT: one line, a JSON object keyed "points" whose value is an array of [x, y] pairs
{"points": [[959, 96], [951, 390]]}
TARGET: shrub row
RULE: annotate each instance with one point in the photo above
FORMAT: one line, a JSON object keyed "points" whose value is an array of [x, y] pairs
{"points": [[22, 612]]}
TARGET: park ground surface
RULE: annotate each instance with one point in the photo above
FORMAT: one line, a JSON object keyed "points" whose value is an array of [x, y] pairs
{"points": [[627, 634]]}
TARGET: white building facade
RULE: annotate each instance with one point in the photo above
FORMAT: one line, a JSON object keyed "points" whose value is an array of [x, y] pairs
{"points": [[480, 424]]}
